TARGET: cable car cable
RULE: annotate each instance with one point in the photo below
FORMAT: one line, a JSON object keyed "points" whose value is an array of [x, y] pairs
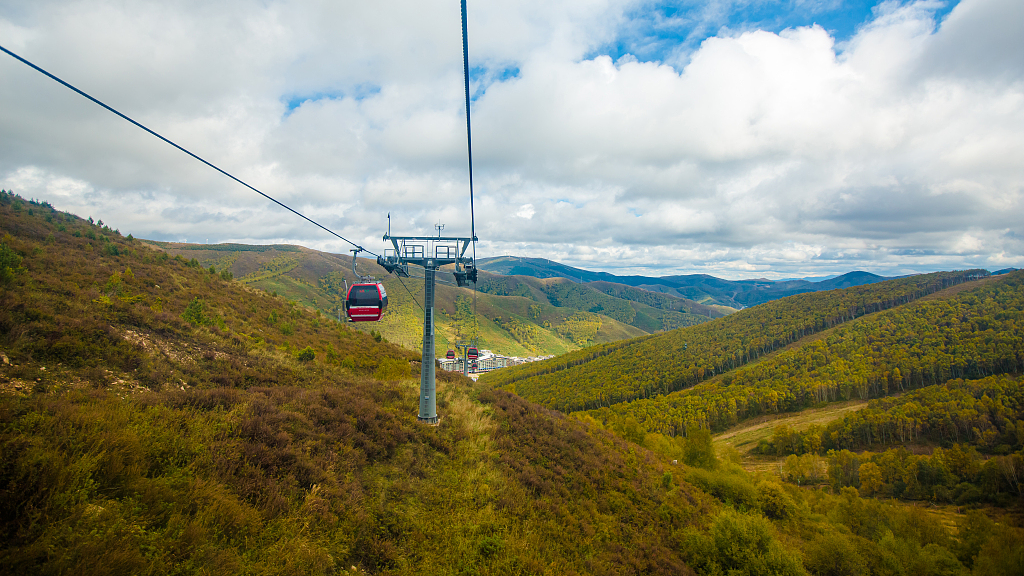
{"points": [[413, 296], [469, 130], [224, 172], [469, 145]]}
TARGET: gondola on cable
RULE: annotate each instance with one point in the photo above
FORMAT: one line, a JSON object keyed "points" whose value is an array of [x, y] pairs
{"points": [[365, 300], [450, 355]]}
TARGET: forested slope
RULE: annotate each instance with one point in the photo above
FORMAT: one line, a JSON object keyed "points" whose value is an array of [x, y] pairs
{"points": [[987, 413], [979, 332], [160, 418], [660, 364], [960, 442]]}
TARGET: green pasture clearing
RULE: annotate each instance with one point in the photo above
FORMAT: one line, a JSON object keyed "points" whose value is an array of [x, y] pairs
{"points": [[744, 436]]}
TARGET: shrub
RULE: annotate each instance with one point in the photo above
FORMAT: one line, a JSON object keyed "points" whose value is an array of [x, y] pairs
{"points": [[834, 554], [195, 313], [735, 489], [10, 262], [490, 545], [739, 544], [773, 501], [306, 354], [698, 450]]}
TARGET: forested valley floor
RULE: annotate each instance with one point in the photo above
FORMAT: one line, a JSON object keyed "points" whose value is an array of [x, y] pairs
{"points": [[159, 417]]}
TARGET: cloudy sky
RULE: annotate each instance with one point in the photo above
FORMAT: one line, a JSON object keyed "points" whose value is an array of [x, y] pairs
{"points": [[740, 138]]}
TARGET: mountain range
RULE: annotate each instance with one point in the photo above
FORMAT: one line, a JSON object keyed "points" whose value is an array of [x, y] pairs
{"points": [[700, 288]]}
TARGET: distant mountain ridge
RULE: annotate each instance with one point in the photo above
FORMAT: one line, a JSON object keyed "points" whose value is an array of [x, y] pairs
{"points": [[700, 288]]}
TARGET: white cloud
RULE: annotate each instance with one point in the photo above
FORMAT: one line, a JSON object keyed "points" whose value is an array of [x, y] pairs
{"points": [[775, 154], [526, 211]]}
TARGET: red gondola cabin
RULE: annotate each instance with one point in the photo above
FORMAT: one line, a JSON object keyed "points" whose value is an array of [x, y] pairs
{"points": [[366, 302], [450, 355], [472, 353]]}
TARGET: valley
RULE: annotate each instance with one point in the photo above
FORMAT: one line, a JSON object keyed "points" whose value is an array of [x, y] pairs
{"points": [[191, 409]]}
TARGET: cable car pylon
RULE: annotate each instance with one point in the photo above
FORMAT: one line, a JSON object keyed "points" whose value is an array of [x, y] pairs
{"points": [[430, 253], [433, 252]]}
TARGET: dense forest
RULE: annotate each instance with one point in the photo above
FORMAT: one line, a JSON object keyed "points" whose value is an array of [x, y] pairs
{"points": [[974, 334], [614, 373], [988, 413], [973, 428], [158, 416]]}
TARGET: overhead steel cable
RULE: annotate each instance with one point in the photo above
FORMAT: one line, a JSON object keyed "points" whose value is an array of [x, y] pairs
{"points": [[469, 144], [211, 165], [417, 302], [469, 129]]}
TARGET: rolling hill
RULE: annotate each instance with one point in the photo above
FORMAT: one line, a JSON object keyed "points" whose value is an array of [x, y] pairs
{"points": [[157, 417], [661, 364], [972, 334], [696, 287], [939, 356], [160, 418], [643, 309], [508, 324]]}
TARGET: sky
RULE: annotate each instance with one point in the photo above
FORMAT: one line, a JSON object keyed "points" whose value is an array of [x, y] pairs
{"points": [[737, 138]]}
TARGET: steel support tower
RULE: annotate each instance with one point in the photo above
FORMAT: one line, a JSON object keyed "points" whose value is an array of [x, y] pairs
{"points": [[430, 253]]}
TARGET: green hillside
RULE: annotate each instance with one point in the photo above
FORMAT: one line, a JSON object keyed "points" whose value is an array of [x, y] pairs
{"points": [[506, 324], [648, 311], [661, 364], [983, 412], [973, 334], [972, 427], [160, 418]]}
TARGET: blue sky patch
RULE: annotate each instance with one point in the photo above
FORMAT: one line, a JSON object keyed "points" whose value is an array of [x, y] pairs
{"points": [[358, 92], [664, 30], [482, 77]]}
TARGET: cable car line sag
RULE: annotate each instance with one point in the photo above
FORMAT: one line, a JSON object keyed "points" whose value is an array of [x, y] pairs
{"points": [[366, 299], [181, 148]]}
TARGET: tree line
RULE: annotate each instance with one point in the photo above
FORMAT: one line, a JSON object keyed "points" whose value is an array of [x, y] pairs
{"points": [[972, 335], [661, 364]]}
